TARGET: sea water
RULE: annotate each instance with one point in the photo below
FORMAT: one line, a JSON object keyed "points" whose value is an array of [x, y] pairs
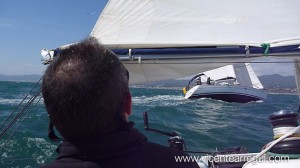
{"points": [[205, 125]]}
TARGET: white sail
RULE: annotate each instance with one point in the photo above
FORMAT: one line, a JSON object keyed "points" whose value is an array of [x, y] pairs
{"points": [[243, 73], [246, 76], [220, 73], [178, 23], [254, 79], [242, 24]]}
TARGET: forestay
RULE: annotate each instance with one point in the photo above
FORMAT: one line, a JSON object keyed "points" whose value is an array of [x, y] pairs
{"points": [[164, 39]]}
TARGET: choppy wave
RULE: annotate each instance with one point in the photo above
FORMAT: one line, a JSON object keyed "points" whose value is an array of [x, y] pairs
{"points": [[204, 124], [10, 101], [164, 100], [27, 152], [17, 101]]}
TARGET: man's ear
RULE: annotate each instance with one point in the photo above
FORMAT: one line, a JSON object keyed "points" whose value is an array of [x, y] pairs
{"points": [[127, 106]]}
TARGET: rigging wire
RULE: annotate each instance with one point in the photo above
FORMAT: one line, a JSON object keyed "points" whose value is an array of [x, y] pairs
{"points": [[20, 103], [23, 119], [18, 115], [21, 111]]}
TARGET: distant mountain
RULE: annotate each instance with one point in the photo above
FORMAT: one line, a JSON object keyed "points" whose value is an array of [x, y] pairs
{"points": [[268, 81], [278, 81], [19, 77]]}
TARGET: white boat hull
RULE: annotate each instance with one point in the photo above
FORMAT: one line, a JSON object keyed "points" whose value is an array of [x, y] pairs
{"points": [[228, 93]]}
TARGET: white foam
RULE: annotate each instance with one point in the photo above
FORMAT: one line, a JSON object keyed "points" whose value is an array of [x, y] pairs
{"points": [[158, 100], [15, 101], [10, 101], [40, 143]]}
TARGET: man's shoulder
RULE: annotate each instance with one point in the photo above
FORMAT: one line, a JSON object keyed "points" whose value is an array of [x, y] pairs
{"points": [[157, 148], [166, 156], [72, 162]]}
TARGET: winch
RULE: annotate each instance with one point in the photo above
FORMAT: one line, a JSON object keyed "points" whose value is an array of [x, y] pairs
{"points": [[284, 122]]}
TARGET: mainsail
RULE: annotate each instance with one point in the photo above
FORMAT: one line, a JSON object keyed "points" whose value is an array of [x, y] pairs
{"points": [[162, 39], [246, 76]]}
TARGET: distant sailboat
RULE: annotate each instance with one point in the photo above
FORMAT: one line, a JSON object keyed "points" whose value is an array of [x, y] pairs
{"points": [[231, 83]]}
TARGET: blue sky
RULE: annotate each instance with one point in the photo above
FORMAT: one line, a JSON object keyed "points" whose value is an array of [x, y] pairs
{"points": [[27, 26]]}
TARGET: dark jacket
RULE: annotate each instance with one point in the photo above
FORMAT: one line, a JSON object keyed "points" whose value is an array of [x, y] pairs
{"points": [[124, 149]]}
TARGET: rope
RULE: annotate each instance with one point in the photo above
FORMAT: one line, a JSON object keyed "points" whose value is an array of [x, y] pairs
{"points": [[254, 158], [280, 131]]}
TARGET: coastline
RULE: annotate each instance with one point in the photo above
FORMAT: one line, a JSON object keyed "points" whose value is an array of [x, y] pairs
{"points": [[289, 91]]}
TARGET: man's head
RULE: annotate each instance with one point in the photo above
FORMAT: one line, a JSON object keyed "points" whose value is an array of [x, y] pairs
{"points": [[85, 90]]}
